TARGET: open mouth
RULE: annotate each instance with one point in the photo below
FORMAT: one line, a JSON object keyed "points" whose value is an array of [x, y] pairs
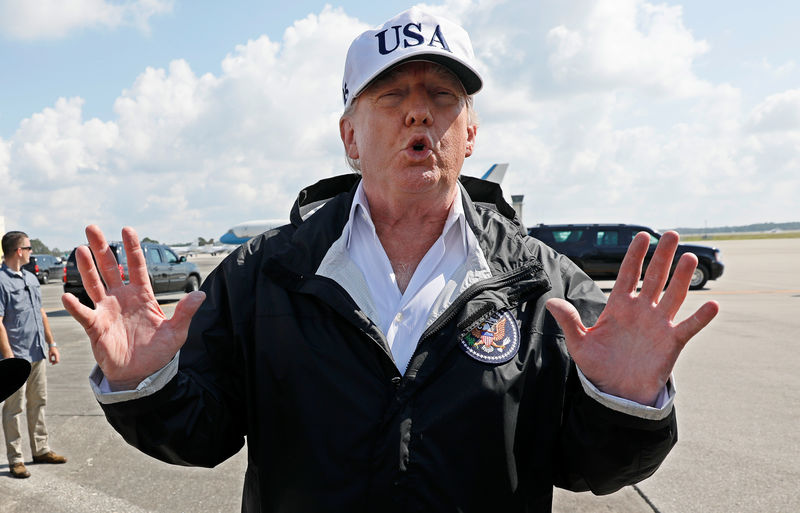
{"points": [[420, 144]]}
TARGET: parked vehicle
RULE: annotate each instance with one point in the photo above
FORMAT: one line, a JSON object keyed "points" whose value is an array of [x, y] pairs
{"points": [[45, 267], [598, 249], [168, 272]]}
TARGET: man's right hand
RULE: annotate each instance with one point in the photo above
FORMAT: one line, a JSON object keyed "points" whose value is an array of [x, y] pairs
{"points": [[130, 335]]}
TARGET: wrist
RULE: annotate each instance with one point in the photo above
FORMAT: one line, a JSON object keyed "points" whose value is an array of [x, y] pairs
{"points": [[52, 344]]}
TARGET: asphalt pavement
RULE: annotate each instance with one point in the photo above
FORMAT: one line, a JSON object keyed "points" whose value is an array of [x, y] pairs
{"points": [[738, 411]]}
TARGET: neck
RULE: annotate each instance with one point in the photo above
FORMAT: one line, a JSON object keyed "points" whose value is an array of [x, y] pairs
{"points": [[407, 233], [13, 264]]}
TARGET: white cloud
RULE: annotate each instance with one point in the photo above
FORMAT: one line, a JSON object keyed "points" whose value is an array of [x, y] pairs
{"points": [[628, 44], [53, 19], [56, 145], [5, 159], [778, 113]]}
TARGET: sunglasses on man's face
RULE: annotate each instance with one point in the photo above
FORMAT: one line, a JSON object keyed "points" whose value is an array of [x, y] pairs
{"points": [[29, 248]]}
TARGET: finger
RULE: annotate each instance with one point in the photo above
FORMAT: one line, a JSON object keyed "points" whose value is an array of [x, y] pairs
{"points": [[184, 311], [89, 276], [658, 270], [678, 286], [699, 320], [137, 267], [106, 262], [631, 267], [567, 318], [81, 313]]}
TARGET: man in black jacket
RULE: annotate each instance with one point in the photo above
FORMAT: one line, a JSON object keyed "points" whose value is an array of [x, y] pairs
{"points": [[401, 345]]}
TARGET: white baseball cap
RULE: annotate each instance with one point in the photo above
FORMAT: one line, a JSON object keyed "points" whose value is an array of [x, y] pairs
{"points": [[412, 35]]}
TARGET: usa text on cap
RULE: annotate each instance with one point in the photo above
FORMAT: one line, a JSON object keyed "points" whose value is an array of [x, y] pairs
{"points": [[411, 35]]}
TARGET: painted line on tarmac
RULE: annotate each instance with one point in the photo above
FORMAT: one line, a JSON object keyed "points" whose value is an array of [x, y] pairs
{"points": [[745, 292]]}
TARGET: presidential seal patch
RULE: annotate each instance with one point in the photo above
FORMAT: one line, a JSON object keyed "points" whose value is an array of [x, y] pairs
{"points": [[495, 341]]}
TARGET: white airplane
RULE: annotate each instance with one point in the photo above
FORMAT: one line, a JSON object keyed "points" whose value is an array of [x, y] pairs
{"points": [[243, 232], [195, 248]]}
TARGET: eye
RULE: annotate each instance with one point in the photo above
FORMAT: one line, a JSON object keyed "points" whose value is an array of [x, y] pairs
{"points": [[445, 96], [388, 97]]}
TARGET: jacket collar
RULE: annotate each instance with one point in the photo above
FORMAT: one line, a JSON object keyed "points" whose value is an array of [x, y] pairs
{"points": [[486, 213], [313, 197]]}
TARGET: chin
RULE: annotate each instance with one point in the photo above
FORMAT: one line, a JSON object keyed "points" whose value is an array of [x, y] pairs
{"points": [[422, 180]]}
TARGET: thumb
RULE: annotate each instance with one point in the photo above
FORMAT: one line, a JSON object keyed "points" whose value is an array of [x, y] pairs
{"points": [[567, 318], [185, 310]]}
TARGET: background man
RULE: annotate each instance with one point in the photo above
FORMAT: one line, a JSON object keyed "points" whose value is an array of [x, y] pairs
{"points": [[395, 347], [25, 333]]}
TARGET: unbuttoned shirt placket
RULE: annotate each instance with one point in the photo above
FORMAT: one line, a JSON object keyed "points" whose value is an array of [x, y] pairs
{"points": [[403, 317]]}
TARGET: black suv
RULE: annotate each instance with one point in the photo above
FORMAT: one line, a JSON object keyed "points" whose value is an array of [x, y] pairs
{"points": [[45, 267], [598, 249], [168, 272]]}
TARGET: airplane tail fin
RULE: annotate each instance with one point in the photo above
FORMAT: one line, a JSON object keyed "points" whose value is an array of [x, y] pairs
{"points": [[496, 173]]}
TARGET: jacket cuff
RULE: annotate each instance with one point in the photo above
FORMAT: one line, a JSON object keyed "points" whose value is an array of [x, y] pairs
{"points": [[149, 386], [660, 411]]}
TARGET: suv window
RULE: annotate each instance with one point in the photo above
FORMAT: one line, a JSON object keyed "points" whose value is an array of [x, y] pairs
{"points": [[154, 256], [607, 238], [169, 256], [567, 235], [119, 253]]}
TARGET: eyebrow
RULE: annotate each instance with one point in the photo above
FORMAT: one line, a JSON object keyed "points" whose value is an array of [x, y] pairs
{"points": [[438, 69]]}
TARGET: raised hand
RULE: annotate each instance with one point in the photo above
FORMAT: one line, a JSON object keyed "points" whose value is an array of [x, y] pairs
{"points": [[631, 350], [130, 335]]}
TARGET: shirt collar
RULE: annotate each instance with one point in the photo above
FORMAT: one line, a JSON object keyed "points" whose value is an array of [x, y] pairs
{"points": [[359, 212], [11, 272]]}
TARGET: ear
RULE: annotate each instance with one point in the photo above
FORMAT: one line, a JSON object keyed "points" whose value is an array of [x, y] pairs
{"points": [[348, 133], [472, 132]]}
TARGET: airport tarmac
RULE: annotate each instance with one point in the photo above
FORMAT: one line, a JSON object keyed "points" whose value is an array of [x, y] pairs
{"points": [[738, 408]]}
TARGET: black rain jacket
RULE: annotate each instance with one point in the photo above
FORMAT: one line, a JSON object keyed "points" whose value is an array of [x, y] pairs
{"points": [[285, 358]]}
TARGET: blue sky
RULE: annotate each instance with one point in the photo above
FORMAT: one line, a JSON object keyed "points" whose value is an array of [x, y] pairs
{"points": [[184, 118]]}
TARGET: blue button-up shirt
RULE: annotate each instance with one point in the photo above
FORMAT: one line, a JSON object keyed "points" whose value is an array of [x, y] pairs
{"points": [[21, 309]]}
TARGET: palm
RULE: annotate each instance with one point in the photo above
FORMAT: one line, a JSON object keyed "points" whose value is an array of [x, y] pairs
{"points": [[131, 337], [631, 350]]}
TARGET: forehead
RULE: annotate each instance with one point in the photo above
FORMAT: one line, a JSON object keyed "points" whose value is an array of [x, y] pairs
{"points": [[429, 71]]}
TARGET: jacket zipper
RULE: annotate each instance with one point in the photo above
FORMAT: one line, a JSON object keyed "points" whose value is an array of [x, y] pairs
{"points": [[471, 292]]}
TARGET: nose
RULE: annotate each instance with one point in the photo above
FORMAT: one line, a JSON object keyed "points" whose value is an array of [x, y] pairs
{"points": [[419, 112]]}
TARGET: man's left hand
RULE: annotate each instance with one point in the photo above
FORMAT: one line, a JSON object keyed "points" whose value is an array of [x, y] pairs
{"points": [[53, 355], [631, 350]]}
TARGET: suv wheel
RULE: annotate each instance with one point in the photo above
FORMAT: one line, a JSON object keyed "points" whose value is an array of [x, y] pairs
{"points": [[192, 284], [44, 278], [699, 277]]}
